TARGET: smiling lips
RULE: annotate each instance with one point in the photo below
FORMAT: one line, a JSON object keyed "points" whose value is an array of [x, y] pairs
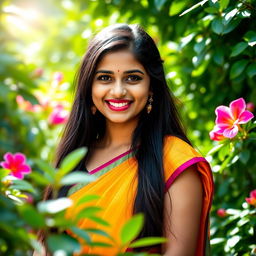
{"points": [[118, 105]]}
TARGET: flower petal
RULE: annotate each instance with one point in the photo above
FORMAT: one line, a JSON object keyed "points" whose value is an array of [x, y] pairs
{"points": [[245, 117], [24, 168], [248, 200], [18, 175], [237, 107], [253, 193], [5, 165], [19, 158], [224, 116], [216, 133], [8, 157], [231, 132]]}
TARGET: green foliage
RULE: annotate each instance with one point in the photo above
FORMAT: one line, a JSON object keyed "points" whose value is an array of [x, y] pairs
{"points": [[21, 220], [208, 48]]}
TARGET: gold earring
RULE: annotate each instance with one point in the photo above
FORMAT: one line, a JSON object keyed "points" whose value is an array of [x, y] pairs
{"points": [[93, 109], [149, 106]]}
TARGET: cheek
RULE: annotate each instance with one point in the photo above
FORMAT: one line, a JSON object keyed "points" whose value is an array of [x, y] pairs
{"points": [[97, 93]]}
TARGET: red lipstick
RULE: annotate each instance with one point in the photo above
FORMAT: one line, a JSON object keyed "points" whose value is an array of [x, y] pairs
{"points": [[118, 104]]}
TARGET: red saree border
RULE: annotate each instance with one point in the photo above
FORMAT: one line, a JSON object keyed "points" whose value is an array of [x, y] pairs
{"points": [[110, 162], [182, 168]]}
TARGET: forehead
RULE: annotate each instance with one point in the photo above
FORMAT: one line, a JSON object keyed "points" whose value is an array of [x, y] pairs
{"points": [[119, 60]]}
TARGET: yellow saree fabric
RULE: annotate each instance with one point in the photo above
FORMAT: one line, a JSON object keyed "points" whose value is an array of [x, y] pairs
{"points": [[117, 191]]}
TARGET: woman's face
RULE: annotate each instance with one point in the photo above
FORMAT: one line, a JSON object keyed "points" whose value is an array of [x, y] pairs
{"points": [[120, 88]]}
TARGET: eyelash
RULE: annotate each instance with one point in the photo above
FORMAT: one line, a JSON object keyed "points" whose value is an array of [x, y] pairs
{"points": [[130, 78]]}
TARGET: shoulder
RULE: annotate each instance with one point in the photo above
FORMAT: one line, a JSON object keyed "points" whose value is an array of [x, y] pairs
{"points": [[177, 151], [178, 156], [174, 144]]}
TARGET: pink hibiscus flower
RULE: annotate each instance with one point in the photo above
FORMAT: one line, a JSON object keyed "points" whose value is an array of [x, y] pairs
{"points": [[216, 133], [252, 199], [229, 118], [17, 164], [58, 116]]}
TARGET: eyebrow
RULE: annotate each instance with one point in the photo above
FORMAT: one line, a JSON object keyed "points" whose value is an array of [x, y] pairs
{"points": [[126, 72]]}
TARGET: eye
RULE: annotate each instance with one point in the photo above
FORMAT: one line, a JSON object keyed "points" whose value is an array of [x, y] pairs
{"points": [[104, 78], [133, 78]]}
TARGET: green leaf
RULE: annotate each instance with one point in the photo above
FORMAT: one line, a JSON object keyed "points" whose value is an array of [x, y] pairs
{"points": [[63, 242], [40, 179], [217, 26], [176, 7], [31, 216], [217, 240], [147, 241], [159, 4], [77, 177], [215, 149], [251, 70], [231, 26], [54, 206], [22, 185], [88, 211], [98, 220], [100, 244], [223, 152], [238, 48], [71, 161], [199, 47], [250, 37], [238, 68], [87, 198], [211, 10], [82, 234], [223, 4], [98, 232], [244, 156], [132, 228], [4, 173], [201, 3], [47, 168], [218, 56]]}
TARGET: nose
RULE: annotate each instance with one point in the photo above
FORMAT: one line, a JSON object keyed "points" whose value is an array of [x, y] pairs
{"points": [[118, 89]]}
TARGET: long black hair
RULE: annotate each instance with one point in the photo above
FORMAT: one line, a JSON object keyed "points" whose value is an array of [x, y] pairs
{"points": [[83, 127]]}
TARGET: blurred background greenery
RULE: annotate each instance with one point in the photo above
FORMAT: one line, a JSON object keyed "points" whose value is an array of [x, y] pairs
{"points": [[209, 55]]}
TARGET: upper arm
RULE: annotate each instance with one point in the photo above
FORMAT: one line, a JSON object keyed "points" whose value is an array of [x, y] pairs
{"points": [[182, 212]]}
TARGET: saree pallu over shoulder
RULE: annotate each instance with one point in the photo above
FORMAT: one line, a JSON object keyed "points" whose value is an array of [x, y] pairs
{"points": [[178, 156], [117, 189]]}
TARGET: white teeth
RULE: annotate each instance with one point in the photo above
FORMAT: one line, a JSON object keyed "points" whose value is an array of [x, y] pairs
{"points": [[118, 105]]}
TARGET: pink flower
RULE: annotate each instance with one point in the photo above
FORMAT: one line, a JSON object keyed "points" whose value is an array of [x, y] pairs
{"points": [[221, 213], [229, 118], [58, 116], [250, 106], [216, 134], [26, 105], [17, 164], [252, 199], [38, 72], [58, 76]]}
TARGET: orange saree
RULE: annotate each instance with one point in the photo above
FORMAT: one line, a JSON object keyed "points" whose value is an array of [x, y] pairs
{"points": [[117, 186]]}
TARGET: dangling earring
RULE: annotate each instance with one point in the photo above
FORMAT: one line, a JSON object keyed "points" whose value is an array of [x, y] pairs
{"points": [[93, 109], [149, 106]]}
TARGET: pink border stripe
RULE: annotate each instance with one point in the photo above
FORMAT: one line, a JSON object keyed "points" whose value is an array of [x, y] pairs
{"points": [[180, 169], [110, 162]]}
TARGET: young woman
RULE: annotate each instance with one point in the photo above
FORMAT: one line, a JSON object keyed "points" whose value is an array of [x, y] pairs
{"points": [[125, 115]]}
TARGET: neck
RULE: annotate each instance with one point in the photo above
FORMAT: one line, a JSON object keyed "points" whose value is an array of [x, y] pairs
{"points": [[118, 135]]}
